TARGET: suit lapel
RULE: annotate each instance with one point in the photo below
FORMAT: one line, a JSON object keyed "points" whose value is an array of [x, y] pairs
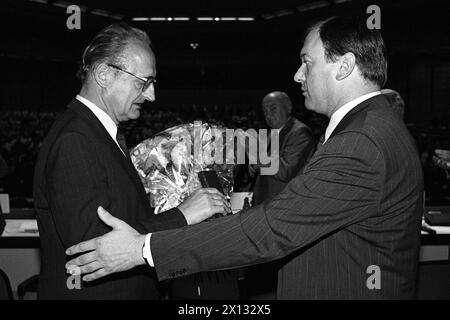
{"points": [[286, 129], [281, 136], [102, 135]]}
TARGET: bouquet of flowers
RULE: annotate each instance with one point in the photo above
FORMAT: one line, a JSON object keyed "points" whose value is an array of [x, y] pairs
{"points": [[169, 162]]}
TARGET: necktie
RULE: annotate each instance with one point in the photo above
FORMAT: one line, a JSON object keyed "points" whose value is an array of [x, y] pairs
{"points": [[121, 140], [320, 143]]}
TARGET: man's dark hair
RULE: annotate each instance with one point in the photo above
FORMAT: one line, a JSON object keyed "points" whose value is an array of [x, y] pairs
{"points": [[108, 46], [340, 35]]}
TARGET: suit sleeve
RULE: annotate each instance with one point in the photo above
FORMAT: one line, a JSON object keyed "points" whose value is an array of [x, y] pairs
{"points": [[170, 219], [338, 187], [295, 154], [77, 185]]}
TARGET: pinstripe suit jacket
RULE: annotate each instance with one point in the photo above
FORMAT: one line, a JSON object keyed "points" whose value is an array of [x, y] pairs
{"points": [[80, 167], [358, 203]]}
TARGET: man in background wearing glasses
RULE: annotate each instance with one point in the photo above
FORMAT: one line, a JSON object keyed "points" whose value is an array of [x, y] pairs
{"points": [[84, 163]]}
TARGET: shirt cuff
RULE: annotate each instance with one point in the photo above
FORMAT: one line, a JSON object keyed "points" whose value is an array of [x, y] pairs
{"points": [[147, 252]]}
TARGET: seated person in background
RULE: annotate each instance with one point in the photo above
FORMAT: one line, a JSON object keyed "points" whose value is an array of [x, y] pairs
{"points": [[296, 145]]}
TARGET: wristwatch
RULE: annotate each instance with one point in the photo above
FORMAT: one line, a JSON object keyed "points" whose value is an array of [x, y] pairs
{"points": [[146, 254]]}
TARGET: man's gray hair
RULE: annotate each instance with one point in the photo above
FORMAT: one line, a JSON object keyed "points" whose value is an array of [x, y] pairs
{"points": [[108, 46]]}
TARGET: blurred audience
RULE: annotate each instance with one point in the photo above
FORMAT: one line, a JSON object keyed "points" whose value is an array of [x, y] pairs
{"points": [[22, 132]]}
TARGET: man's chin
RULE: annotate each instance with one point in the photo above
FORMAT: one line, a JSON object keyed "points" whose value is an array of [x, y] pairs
{"points": [[308, 106], [136, 111], [131, 116]]}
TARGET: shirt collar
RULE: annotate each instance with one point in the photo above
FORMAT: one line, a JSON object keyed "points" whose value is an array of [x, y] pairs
{"points": [[102, 116], [340, 113]]}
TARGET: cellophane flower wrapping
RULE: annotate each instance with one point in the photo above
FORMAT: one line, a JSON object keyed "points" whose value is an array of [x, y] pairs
{"points": [[168, 163]]}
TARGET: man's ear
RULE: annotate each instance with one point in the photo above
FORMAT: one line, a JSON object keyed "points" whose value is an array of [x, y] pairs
{"points": [[102, 75], [347, 64]]}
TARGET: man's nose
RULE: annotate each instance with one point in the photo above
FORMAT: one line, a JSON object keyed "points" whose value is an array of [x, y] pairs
{"points": [[149, 94], [299, 75]]}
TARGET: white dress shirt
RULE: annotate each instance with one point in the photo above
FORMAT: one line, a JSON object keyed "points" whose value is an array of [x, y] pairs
{"points": [[340, 113], [103, 117]]}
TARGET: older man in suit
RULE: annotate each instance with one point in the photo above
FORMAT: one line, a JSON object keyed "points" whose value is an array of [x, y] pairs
{"points": [[295, 141], [84, 162], [349, 224], [296, 145]]}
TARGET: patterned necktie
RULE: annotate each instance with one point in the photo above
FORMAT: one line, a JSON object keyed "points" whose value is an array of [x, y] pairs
{"points": [[121, 140]]}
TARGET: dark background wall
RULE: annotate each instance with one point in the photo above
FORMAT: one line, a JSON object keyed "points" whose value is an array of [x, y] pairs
{"points": [[234, 63]]}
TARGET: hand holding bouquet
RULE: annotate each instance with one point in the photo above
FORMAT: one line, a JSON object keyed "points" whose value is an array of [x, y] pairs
{"points": [[169, 162]]}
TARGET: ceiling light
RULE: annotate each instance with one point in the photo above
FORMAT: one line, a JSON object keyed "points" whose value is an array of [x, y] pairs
{"points": [[101, 13], [285, 12], [40, 1], [246, 19], [268, 16], [313, 5], [61, 4], [141, 19]]}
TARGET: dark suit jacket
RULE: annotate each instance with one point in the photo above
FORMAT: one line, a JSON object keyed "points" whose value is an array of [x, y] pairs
{"points": [[80, 167], [357, 203], [296, 147]]}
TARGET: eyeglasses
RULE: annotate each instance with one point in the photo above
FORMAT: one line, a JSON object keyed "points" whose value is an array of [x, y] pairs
{"points": [[147, 82]]}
